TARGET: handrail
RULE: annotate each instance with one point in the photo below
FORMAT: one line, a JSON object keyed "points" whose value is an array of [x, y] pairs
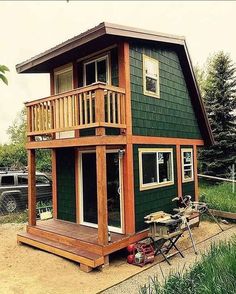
{"points": [[95, 106], [77, 91]]}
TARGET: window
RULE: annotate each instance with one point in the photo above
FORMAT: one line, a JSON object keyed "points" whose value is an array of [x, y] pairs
{"points": [[96, 71], [42, 180], [187, 164], [155, 168], [151, 77], [7, 180], [23, 180], [63, 79]]}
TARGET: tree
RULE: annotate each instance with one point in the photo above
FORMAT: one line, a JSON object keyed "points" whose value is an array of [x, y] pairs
{"points": [[3, 70], [219, 94], [14, 154]]}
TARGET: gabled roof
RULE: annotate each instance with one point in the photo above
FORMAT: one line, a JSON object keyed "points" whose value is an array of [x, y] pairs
{"points": [[41, 61]]}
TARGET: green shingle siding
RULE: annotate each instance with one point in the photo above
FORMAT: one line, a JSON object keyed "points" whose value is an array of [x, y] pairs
{"points": [[170, 116], [66, 199], [152, 200]]}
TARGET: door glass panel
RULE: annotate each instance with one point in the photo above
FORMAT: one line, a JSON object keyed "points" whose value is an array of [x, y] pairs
{"points": [[102, 71], [64, 82], [113, 190], [90, 73], [89, 187]]}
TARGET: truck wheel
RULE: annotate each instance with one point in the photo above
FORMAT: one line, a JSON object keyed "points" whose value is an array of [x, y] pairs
{"points": [[10, 203]]}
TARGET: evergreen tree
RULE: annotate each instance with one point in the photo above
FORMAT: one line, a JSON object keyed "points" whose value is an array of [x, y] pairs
{"points": [[219, 95]]}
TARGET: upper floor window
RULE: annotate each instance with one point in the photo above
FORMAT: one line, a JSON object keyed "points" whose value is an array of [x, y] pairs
{"points": [[187, 164], [151, 76], [96, 71], [63, 79], [155, 168]]}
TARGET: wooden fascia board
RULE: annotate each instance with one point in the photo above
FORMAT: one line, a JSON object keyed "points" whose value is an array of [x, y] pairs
{"points": [[210, 139], [60, 49], [78, 142]]}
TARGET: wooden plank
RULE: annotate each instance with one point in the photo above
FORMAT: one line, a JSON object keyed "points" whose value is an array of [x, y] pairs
{"points": [[85, 108], [77, 91], [29, 119], [85, 268], [179, 171], [46, 116], [118, 108], [54, 183], [65, 251], [165, 141], [99, 111], [81, 141], [129, 209], [195, 173], [90, 108], [77, 186], [124, 82], [223, 214], [102, 195], [113, 107], [31, 188], [54, 234], [81, 121], [108, 107]]}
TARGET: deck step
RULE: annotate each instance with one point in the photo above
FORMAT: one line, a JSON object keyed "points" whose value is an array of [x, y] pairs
{"points": [[84, 257], [62, 239]]}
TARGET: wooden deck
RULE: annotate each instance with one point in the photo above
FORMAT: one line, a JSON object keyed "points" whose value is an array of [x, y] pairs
{"points": [[75, 242]]}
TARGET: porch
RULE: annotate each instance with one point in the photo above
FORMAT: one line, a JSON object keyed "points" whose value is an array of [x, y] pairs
{"points": [[75, 242], [97, 106]]}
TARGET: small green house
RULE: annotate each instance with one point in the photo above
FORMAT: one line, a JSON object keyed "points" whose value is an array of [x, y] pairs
{"points": [[124, 121]]}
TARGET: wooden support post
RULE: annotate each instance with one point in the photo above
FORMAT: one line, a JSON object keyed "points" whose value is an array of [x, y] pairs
{"points": [[85, 268], [100, 111], [102, 195], [179, 171], [195, 173], [54, 183], [77, 187], [31, 188], [124, 82]]}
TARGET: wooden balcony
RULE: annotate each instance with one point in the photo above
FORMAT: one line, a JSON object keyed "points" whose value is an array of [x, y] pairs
{"points": [[94, 106]]}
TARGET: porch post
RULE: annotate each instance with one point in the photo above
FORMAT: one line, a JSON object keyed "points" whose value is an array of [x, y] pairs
{"points": [[195, 172], [31, 188], [102, 195], [124, 82], [54, 183], [179, 171]]}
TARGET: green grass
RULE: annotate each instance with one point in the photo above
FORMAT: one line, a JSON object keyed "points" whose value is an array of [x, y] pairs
{"points": [[214, 274], [18, 217], [218, 196]]}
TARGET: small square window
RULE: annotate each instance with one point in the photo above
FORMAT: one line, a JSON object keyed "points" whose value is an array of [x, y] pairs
{"points": [[151, 76]]}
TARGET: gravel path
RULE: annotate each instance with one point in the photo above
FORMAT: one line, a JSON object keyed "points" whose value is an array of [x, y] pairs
{"points": [[132, 285]]}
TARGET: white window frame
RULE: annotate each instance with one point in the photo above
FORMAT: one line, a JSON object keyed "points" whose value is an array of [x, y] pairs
{"points": [[104, 57], [60, 70], [157, 184], [183, 150], [156, 62]]}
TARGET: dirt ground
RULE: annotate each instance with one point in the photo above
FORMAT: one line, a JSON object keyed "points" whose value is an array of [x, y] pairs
{"points": [[24, 269]]}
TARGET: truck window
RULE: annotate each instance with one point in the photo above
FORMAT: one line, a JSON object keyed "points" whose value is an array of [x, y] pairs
{"points": [[22, 180], [42, 180], [7, 180]]}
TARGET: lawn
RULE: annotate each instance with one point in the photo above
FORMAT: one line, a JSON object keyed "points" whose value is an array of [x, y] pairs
{"points": [[218, 195], [214, 273]]}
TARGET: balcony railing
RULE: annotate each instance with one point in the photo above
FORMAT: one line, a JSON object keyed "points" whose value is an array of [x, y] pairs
{"points": [[93, 106]]}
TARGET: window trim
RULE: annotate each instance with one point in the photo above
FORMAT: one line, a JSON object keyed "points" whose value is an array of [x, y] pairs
{"points": [[182, 161], [60, 70], [143, 187], [98, 58], [149, 93]]}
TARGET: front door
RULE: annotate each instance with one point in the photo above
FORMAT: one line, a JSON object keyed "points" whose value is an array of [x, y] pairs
{"points": [[88, 184]]}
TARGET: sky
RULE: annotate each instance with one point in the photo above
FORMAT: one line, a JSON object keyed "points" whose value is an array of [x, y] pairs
{"points": [[31, 27]]}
